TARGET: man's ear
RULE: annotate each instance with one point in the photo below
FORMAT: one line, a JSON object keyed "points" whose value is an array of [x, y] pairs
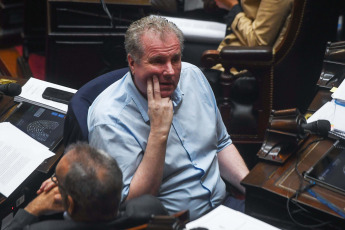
{"points": [[70, 205], [130, 63]]}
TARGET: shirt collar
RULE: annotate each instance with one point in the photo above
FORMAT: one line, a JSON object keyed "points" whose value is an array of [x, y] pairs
{"points": [[141, 101]]}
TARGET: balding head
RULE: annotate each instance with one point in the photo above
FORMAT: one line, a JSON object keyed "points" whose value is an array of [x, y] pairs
{"points": [[93, 180]]}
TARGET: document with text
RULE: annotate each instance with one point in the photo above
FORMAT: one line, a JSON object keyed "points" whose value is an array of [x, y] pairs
{"points": [[20, 155]]}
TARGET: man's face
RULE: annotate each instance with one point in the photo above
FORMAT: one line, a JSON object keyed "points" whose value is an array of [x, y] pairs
{"points": [[160, 58]]}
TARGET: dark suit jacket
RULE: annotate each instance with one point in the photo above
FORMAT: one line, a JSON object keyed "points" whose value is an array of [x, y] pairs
{"points": [[25, 220], [134, 212]]}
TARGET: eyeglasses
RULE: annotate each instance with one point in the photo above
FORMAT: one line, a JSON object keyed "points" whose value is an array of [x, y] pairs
{"points": [[55, 181], [53, 178]]}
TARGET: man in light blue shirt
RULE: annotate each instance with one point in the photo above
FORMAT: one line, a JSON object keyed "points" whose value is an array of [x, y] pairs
{"points": [[162, 125]]}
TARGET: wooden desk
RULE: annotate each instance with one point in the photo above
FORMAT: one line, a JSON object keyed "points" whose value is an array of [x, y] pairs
{"points": [[268, 186], [27, 190]]}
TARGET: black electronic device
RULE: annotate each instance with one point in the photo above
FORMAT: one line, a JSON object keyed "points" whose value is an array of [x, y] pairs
{"points": [[57, 95], [43, 125], [329, 171]]}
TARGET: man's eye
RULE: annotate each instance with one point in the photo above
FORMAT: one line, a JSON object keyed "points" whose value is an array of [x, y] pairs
{"points": [[157, 61], [176, 58]]}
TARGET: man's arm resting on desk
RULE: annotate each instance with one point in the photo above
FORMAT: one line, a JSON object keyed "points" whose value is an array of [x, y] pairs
{"points": [[232, 167]]}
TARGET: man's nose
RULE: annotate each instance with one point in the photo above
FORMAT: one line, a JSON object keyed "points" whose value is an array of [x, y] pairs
{"points": [[169, 69]]}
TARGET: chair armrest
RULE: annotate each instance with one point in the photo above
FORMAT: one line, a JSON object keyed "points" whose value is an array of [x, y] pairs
{"points": [[239, 56], [209, 58]]}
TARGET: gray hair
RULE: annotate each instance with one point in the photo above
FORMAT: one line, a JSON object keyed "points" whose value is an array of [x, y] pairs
{"points": [[94, 181], [137, 29]]}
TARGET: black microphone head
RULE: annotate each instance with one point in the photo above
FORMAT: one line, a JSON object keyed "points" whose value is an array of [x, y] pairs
{"points": [[319, 127], [324, 126], [11, 89], [14, 89]]}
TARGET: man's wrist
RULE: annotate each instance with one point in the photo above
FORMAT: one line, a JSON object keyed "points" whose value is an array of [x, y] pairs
{"points": [[159, 135]]}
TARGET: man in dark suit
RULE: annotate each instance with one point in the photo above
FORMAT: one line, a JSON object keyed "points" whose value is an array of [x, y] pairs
{"points": [[86, 186]]}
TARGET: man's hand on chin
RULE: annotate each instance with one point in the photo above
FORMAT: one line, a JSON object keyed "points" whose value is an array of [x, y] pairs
{"points": [[160, 109]]}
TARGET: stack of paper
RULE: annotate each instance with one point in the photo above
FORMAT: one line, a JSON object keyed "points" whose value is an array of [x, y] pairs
{"points": [[32, 93], [333, 111], [223, 217], [339, 94], [18, 161], [200, 31]]}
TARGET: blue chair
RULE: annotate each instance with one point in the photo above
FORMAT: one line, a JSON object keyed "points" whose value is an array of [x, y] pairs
{"points": [[75, 127]]}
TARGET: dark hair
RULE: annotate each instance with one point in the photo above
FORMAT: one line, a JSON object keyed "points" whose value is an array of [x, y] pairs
{"points": [[94, 181], [137, 29]]}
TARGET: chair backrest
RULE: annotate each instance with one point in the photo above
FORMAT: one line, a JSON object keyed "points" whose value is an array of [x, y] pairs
{"points": [[286, 76], [298, 60], [75, 128]]}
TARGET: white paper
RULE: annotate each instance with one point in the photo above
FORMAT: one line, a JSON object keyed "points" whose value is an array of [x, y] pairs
{"points": [[332, 112], [34, 88], [200, 31], [20, 155], [340, 92], [326, 112], [223, 218], [339, 117]]}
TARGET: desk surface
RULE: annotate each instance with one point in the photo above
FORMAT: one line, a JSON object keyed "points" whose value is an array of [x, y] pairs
{"points": [[7, 105], [273, 183], [269, 184]]}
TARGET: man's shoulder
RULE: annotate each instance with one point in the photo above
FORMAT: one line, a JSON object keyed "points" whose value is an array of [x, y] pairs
{"points": [[189, 66], [191, 73], [110, 102]]}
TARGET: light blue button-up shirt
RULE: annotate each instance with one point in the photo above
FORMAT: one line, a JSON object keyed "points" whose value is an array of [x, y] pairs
{"points": [[119, 124]]}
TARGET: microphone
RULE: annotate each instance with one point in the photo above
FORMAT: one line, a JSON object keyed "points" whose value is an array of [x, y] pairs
{"points": [[11, 89], [319, 127]]}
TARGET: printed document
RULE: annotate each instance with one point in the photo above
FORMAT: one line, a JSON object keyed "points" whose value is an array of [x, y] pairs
{"points": [[20, 155]]}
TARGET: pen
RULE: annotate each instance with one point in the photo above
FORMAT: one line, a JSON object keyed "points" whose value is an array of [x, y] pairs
{"points": [[326, 202]]}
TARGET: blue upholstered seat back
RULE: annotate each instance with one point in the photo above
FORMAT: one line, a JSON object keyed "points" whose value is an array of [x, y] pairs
{"points": [[75, 128]]}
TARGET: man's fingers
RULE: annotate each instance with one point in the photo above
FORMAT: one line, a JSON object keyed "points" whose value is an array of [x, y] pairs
{"points": [[43, 185], [156, 87], [49, 186], [149, 90]]}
